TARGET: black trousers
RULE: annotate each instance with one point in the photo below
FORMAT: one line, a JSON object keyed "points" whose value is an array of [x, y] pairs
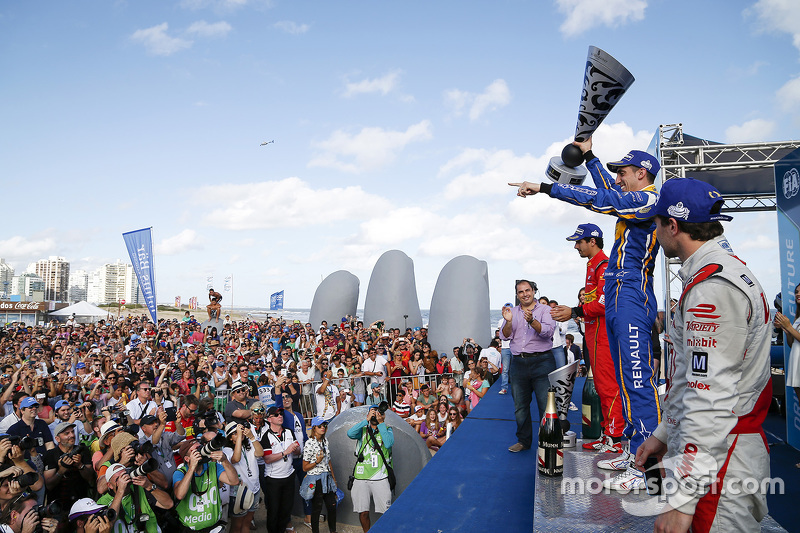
{"points": [[329, 498], [279, 493]]}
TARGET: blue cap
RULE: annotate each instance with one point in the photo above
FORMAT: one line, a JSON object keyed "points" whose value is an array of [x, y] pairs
{"points": [[61, 403], [318, 421], [30, 401], [372, 407], [636, 158], [690, 200], [586, 231], [80, 365]]}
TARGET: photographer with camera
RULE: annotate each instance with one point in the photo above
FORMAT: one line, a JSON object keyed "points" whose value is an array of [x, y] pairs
{"points": [[16, 474], [373, 476], [133, 497], [197, 481], [30, 426], [280, 448], [68, 472], [161, 443], [22, 515], [130, 454], [73, 415], [242, 449], [91, 517]]}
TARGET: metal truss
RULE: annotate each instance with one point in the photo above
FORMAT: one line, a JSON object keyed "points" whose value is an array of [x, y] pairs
{"points": [[679, 160]]}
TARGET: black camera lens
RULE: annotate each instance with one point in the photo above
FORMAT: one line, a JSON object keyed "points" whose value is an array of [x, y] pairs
{"points": [[145, 468], [214, 445]]}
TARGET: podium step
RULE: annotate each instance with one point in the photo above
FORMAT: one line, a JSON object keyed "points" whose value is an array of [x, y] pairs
{"points": [[577, 502]]}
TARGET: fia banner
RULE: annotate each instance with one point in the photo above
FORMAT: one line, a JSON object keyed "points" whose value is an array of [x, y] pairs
{"points": [[140, 249], [193, 302], [787, 186], [228, 283], [276, 301], [178, 302]]}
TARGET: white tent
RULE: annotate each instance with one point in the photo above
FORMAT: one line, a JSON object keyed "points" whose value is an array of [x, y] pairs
{"points": [[83, 311]]}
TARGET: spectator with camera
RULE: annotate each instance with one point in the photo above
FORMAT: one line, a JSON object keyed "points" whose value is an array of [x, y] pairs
{"points": [[242, 450], [161, 443], [197, 481], [134, 497], [30, 426], [68, 472], [73, 415], [280, 447], [16, 474], [88, 516], [373, 476], [21, 515]]}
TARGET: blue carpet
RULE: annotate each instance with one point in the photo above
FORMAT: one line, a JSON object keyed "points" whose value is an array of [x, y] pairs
{"points": [[474, 484]]}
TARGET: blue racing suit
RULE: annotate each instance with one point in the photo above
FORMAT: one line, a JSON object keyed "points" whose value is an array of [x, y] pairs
{"points": [[630, 302]]}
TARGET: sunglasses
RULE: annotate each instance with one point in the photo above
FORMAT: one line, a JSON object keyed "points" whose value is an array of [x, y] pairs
{"points": [[324, 425], [258, 411]]}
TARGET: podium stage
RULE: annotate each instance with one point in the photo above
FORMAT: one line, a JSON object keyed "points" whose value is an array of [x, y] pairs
{"points": [[474, 484]]}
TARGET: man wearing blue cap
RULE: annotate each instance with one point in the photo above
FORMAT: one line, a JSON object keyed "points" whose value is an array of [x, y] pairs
{"points": [[588, 239], [630, 300], [718, 372]]}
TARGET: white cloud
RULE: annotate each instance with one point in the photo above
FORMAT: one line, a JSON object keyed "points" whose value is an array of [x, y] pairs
{"points": [[184, 241], [291, 27], [789, 95], [18, 249], [758, 242], [779, 15], [398, 225], [583, 15], [495, 95], [289, 203], [369, 149], [383, 85], [158, 42], [753, 130], [202, 28]]}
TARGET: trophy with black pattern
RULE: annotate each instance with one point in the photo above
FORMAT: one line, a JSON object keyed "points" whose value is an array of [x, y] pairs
{"points": [[605, 80]]}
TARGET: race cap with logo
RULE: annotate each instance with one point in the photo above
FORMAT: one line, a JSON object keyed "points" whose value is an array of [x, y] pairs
{"points": [[586, 231], [636, 158], [83, 507], [690, 200]]}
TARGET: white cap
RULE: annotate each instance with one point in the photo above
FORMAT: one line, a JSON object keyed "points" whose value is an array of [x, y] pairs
{"points": [[113, 469]]}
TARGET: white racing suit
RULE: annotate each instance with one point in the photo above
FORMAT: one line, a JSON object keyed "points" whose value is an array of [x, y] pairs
{"points": [[718, 394]]}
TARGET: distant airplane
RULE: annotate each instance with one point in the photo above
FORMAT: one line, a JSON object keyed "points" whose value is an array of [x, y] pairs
{"points": [[266, 143]]}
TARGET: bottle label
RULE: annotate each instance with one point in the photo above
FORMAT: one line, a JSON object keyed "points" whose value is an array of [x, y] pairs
{"points": [[586, 410], [551, 461]]}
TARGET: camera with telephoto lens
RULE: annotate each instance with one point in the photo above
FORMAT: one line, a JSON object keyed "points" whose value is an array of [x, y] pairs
{"points": [[78, 451], [214, 445], [142, 448], [382, 408], [143, 469], [25, 479], [25, 443], [51, 510], [108, 512], [211, 420]]}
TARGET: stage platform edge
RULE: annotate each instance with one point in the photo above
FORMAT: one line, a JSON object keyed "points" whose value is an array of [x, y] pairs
{"points": [[575, 502]]}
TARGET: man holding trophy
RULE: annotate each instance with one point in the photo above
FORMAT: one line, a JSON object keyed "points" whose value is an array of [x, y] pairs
{"points": [[630, 300]]}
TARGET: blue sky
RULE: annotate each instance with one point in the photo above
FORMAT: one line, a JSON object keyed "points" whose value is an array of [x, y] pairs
{"points": [[396, 126]]}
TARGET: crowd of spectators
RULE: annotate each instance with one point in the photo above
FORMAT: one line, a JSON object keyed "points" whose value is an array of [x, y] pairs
{"points": [[127, 424]]}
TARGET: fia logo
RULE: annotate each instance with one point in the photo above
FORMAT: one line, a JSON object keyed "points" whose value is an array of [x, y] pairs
{"points": [[791, 183]]}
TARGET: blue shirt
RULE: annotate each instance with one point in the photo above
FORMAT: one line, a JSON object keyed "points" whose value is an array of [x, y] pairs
{"points": [[524, 338]]}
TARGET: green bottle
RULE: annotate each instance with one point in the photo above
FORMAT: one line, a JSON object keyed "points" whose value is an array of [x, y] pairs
{"points": [[592, 412]]}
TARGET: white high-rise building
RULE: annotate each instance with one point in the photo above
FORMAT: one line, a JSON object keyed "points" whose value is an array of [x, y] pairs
{"points": [[27, 285], [78, 285], [55, 273], [6, 274], [113, 282]]}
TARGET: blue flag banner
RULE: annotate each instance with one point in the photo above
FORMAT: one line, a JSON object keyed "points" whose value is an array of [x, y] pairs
{"points": [[787, 189], [276, 301], [140, 249]]}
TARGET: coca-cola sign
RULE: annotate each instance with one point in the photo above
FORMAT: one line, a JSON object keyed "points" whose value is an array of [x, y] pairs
{"points": [[23, 306]]}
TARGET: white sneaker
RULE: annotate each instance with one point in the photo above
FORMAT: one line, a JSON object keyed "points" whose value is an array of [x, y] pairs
{"points": [[621, 462], [626, 481], [572, 406]]}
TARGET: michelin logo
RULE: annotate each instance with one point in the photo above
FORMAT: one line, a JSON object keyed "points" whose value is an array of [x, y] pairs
{"points": [[647, 164], [791, 183], [678, 211]]}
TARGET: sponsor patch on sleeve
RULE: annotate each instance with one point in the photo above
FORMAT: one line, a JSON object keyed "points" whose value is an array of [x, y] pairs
{"points": [[700, 363]]}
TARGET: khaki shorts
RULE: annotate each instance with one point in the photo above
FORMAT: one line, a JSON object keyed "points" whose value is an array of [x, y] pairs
{"points": [[378, 491]]}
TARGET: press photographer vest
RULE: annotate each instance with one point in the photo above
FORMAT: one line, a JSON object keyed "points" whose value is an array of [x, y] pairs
{"points": [[201, 508], [372, 466]]}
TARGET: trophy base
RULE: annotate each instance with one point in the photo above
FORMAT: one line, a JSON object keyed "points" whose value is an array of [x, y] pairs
{"points": [[569, 439], [558, 172]]}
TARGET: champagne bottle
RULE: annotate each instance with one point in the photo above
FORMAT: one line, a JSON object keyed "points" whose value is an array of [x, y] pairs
{"points": [[592, 412], [551, 444]]}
